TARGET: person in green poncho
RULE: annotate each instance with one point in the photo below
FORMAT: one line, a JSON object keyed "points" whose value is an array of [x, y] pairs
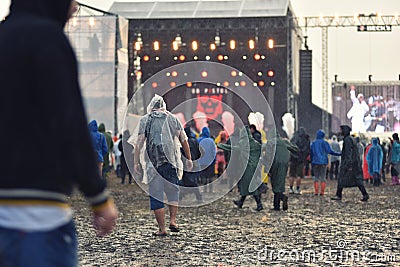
{"points": [[279, 166], [245, 156]]}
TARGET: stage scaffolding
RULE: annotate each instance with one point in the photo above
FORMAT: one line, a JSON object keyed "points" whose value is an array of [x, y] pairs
{"points": [[100, 41]]}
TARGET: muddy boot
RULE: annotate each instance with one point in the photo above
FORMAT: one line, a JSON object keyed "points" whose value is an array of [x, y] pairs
{"points": [[277, 201], [285, 202], [323, 185], [239, 203], [259, 204], [316, 187]]}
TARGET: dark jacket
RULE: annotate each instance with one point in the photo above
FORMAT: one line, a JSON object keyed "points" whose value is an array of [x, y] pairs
{"points": [[190, 178], [350, 165], [41, 105], [302, 141], [320, 150], [109, 142]]}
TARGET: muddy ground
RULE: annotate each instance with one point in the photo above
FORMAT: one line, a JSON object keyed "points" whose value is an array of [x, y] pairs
{"points": [[315, 231]]}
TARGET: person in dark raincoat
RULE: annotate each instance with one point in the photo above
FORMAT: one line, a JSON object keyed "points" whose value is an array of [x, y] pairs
{"points": [[350, 173], [249, 151], [279, 167]]}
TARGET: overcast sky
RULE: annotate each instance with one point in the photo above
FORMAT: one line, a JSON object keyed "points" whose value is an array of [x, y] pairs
{"points": [[352, 55]]}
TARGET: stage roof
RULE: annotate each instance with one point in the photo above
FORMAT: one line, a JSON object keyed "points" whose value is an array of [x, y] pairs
{"points": [[164, 9]]}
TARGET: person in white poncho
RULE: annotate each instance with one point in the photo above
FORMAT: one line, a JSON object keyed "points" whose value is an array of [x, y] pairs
{"points": [[357, 112], [162, 132]]}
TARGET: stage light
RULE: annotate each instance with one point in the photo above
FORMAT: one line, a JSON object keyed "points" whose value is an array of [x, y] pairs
{"points": [[254, 84], [236, 83], [262, 57], [146, 58], [195, 46], [226, 84], [218, 84], [252, 44], [217, 40], [168, 74], [233, 73], [270, 73], [259, 73], [220, 57], [232, 44], [91, 21], [189, 84], [157, 58], [174, 73], [175, 45], [154, 84], [213, 46], [226, 57], [172, 84], [243, 83], [156, 45], [175, 58], [272, 83], [204, 74], [195, 58], [138, 74], [257, 57], [244, 57], [137, 46], [240, 73], [270, 43], [261, 83], [182, 57], [208, 57]]}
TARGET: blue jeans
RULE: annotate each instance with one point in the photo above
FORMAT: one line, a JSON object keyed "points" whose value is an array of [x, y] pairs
{"points": [[55, 248], [165, 181]]}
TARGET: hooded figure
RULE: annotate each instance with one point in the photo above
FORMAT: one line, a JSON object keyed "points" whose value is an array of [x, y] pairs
{"points": [[207, 159], [279, 167], [159, 135], [374, 158], [40, 92], [98, 141], [335, 160], [247, 153], [350, 173], [110, 146], [319, 158]]}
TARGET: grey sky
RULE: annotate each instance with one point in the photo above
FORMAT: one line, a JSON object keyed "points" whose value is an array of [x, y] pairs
{"points": [[351, 55]]}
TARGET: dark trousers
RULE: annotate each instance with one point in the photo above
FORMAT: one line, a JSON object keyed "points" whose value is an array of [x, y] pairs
{"points": [[334, 170], [360, 186], [278, 197], [377, 179]]}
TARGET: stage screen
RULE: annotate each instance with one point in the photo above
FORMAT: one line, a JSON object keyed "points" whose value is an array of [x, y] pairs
{"points": [[382, 99]]}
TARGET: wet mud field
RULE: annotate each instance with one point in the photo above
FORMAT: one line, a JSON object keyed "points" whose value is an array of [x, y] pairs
{"points": [[314, 231]]}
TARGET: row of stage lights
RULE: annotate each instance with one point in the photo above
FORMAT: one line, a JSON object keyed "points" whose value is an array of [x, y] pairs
{"points": [[177, 43], [226, 84], [204, 74], [220, 57]]}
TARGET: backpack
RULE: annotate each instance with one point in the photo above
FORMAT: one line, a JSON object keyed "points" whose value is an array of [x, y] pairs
{"points": [[154, 143]]}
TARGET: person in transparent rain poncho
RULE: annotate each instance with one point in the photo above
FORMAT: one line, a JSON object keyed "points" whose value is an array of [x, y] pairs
{"points": [[159, 137]]}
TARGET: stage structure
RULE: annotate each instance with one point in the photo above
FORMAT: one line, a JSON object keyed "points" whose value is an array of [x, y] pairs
{"points": [[383, 99], [260, 39], [100, 41]]}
